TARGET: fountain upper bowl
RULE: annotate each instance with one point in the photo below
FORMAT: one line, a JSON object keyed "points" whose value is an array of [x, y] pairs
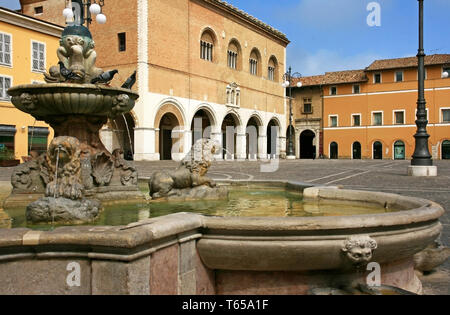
{"points": [[42, 100]]}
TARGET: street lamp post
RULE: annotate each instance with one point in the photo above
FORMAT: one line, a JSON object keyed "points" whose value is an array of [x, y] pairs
{"points": [[422, 163], [81, 11], [287, 83]]}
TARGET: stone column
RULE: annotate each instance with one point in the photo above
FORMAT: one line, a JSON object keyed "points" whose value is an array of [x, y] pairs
{"points": [[217, 136], [297, 143], [282, 147], [262, 147], [317, 143], [241, 147], [145, 145], [187, 140], [178, 144]]}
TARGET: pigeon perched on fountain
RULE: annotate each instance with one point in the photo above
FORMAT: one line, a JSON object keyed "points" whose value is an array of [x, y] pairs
{"points": [[105, 77], [66, 73], [130, 81]]}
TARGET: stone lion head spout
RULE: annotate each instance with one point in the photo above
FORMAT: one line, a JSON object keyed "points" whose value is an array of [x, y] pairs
{"points": [[64, 168], [359, 249]]}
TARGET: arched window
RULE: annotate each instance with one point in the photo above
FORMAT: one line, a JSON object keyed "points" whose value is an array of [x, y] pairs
{"points": [[272, 71], [207, 46], [234, 52], [255, 62]]}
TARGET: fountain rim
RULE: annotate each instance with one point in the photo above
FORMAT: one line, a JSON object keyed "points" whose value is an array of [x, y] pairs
{"points": [[425, 214], [419, 211], [64, 87]]}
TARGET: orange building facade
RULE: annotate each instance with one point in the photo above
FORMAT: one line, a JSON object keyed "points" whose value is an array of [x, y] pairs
{"points": [[371, 113]]}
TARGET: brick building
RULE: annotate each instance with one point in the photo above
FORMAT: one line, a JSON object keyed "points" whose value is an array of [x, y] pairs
{"points": [[371, 113], [198, 61]]}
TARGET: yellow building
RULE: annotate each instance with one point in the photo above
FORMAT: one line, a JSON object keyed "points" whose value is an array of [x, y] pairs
{"points": [[27, 49]]}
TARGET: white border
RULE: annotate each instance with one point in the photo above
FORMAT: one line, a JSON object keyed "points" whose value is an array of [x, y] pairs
{"points": [[352, 121], [8, 100], [442, 72], [382, 117], [373, 149], [31, 56], [442, 146], [351, 150], [441, 117], [334, 86], [329, 150], [395, 76], [337, 120], [381, 77], [10, 51], [393, 149], [393, 117]]}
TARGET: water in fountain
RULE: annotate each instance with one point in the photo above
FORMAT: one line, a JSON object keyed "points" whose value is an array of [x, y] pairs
{"points": [[239, 165], [58, 149], [128, 132], [32, 136]]}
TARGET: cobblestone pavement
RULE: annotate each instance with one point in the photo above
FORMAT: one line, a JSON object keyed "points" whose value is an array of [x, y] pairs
{"points": [[385, 176]]}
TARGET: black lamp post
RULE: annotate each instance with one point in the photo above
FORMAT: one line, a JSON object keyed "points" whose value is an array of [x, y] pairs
{"points": [[422, 156], [287, 83], [81, 11]]}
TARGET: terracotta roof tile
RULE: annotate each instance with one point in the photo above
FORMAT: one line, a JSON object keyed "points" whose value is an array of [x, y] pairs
{"points": [[310, 81], [337, 77], [349, 76], [408, 62]]}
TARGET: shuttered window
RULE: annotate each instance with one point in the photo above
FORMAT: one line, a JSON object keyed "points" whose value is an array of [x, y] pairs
{"points": [[5, 49], [5, 84], [38, 57]]}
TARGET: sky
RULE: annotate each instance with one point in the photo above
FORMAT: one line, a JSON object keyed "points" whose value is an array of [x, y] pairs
{"points": [[333, 35]]}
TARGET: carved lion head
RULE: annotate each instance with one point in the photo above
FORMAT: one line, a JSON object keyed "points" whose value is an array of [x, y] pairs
{"points": [[359, 249], [64, 150]]}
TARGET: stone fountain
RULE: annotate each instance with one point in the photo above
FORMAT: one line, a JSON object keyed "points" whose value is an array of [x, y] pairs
{"points": [[77, 169], [184, 253]]}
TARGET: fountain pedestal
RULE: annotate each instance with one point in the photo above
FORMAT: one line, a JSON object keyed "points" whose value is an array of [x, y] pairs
{"points": [[77, 168]]}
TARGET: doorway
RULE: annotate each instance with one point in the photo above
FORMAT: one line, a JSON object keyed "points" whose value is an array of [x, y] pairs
{"points": [[307, 148], [334, 151], [357, 151], [377, 150], [399, 150]]}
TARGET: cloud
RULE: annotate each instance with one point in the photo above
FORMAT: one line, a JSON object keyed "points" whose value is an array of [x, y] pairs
{"points": [[324, 60]]}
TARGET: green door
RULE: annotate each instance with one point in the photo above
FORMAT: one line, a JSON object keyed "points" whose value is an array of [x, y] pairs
{"points": [[399, 150]]}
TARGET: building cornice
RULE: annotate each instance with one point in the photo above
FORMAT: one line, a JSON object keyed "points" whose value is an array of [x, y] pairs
{"points": [[30, 23], [248, 19]]}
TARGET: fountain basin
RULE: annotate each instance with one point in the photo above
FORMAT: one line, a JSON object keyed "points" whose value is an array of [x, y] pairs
{"points": [[187, 253], [43, 100]]}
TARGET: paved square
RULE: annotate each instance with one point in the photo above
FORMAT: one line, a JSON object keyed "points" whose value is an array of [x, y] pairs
{"points": [[385, 176]]}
